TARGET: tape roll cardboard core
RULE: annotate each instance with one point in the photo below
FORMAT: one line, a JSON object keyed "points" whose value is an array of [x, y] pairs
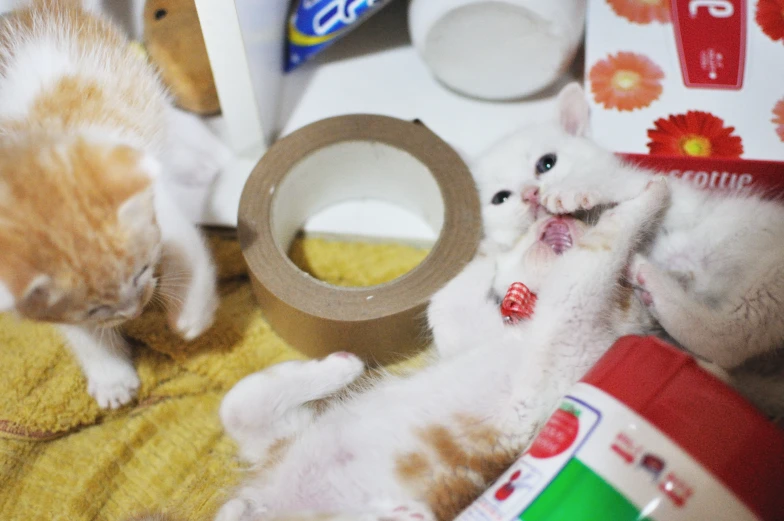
{"points": [[340, 159], [353, 170]]}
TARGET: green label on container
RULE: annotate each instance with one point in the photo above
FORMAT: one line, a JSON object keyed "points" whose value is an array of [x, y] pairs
{"points": [[590, 498]]}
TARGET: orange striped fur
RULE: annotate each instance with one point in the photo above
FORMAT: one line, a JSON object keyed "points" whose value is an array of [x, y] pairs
{"points": [[71, 158]]}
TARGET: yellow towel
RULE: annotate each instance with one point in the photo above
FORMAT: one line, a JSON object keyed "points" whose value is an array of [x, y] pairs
{"points": [[62, 458]]}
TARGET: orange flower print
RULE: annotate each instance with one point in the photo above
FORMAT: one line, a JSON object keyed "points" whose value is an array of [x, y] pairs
{"points": [[770, 17], [778, 118], [626, 81], [642, 11], [695, 133]]}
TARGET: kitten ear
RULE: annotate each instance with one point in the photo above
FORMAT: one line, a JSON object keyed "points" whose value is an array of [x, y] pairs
{"points": [[39, 296], [138, 210], [573, 110]]}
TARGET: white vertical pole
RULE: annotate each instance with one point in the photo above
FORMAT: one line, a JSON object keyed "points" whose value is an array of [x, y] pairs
{"points": [[228, 59]]}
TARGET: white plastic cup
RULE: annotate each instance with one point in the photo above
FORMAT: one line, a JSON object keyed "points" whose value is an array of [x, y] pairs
{"points": [[497, 49]]}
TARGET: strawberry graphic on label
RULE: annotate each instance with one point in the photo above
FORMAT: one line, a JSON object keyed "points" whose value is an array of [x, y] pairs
{"points": [[558, 434], [505, 490]]}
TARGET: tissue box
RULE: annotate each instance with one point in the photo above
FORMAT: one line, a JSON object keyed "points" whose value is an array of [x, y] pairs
{"points": [[694, 88]]}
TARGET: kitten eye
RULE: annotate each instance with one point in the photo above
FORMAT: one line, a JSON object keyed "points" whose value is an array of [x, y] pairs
{"points": [[97, 309], [139, 275], [160, 13], [501, 197], [545, 163]]}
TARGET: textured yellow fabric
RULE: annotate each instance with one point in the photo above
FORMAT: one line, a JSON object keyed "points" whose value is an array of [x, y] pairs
{"points": [[62, 458]]}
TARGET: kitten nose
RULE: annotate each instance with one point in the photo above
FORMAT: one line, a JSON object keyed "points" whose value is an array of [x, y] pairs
{"points": [[531, 195]]}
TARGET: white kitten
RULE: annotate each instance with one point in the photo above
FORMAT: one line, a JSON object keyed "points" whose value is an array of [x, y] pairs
{"points": [[713, 274], [423, 447]]}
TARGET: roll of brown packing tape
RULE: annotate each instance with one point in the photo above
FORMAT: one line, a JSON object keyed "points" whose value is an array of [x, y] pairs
{"points": [[348, 158]]}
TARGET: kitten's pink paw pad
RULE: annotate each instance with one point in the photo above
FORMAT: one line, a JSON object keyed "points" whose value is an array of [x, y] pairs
{"points": [[638, 274], [645, 297], [344, 365], [343, 354], [407, 513]]}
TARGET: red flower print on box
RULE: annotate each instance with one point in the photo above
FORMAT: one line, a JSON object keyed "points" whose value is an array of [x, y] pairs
{"points": [[626, 81], [770, 18], [642, 11], [778, 118], [695, 133]]}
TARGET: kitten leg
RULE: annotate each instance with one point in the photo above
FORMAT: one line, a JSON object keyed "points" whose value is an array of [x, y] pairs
{"points": [[105, 360], [622, 227], [744, 324], [462, 314], [267, 405], [188, 275], [193, 154]]}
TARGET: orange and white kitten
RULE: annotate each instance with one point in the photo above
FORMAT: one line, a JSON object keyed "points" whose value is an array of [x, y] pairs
{"points": [[84, 218]]}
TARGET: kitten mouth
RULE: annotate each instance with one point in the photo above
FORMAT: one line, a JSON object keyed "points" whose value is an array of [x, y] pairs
{"points": [[557, 235]]}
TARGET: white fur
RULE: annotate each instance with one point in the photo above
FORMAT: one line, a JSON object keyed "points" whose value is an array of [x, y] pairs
{"points": [[105, 360], [198, 297], [714, 270], [92, 5], [38, 58], [7, 300], [32, 63], [341, 464], [22, 84], [194, 155]]}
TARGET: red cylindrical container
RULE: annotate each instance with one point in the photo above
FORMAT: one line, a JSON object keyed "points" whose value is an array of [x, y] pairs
{"points": [[645, 435]]}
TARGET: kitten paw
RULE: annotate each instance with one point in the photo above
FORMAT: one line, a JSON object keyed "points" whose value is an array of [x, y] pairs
{"points": [[196, 316], [261, 397], [346, 366], [113, 387], [657, 191], [333, 372], [569, 201]]}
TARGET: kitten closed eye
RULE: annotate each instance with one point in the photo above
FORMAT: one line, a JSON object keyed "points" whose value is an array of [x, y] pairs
{"points": [[93, 312], [139, 275]]}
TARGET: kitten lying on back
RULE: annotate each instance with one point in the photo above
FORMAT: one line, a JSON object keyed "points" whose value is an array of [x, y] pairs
{"points": [[84, 218], [712, 274], [423, 447]]}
